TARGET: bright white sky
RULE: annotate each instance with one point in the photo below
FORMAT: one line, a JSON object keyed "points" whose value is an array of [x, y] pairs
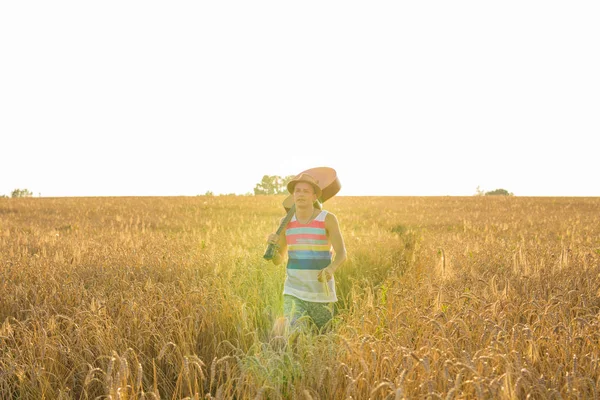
{"points": [[135, 98]]}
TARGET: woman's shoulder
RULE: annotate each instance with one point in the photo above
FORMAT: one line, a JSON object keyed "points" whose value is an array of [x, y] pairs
{"points": [[324, 215], [329, 216]]}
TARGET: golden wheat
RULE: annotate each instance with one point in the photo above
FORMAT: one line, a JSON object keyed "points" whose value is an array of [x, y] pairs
{"points": [[147, 298]]}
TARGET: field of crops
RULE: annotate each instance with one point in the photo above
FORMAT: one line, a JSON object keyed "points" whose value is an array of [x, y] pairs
{"points": [[441, 297]]}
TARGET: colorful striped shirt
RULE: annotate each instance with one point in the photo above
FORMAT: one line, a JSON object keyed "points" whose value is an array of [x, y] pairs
{"points": [[309, 251]]}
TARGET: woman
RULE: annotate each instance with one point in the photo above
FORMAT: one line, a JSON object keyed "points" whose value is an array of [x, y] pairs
{"points": [[309, 238]]}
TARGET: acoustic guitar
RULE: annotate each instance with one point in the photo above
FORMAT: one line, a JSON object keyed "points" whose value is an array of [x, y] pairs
{"points": [[330, 185]]}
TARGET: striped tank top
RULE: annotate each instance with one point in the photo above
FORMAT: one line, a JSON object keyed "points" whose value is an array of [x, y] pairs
{"points": [[309, 251]]}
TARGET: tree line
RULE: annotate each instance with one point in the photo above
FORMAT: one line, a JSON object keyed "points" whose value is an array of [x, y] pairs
{"points": [[272, 184], [275, 185], [19, 193], [495, 192]]}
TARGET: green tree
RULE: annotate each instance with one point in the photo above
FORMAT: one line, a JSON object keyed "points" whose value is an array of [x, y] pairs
{"points": [[272, 184], [499, 192], [21, 193]]}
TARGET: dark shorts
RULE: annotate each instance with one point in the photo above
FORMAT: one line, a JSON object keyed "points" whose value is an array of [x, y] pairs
{"points": [[294, 309]]}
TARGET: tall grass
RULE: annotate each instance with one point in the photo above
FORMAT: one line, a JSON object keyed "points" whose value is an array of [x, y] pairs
{"points": [[145, 298]]}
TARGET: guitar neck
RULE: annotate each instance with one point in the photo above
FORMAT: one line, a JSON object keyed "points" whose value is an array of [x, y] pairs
{"points": [[287, 219]]}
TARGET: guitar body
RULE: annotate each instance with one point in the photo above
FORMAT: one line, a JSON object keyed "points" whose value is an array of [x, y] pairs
{"points": [[326, 179], [330, 185]]}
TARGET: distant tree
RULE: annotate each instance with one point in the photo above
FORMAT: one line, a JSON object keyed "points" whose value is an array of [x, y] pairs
{"points": [[3, 196], [286, 180], [479, 191], [499, 192], [21, 193], [272, 184]]}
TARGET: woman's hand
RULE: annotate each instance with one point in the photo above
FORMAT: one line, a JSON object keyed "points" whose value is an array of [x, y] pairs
{"points": [[273, 238], [325, 274]]}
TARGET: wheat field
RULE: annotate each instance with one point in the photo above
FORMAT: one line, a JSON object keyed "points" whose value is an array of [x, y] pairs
{"points": [[169, 298]]}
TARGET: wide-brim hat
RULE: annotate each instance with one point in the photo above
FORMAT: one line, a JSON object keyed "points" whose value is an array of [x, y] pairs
{"points": [[307, 179]]}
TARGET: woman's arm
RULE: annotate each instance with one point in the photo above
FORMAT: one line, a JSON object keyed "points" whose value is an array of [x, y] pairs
{"points": [[337, 242], [281, 246]]}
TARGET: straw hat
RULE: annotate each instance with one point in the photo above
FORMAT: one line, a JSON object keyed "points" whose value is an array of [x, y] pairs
{"points": [[304, 178]]}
